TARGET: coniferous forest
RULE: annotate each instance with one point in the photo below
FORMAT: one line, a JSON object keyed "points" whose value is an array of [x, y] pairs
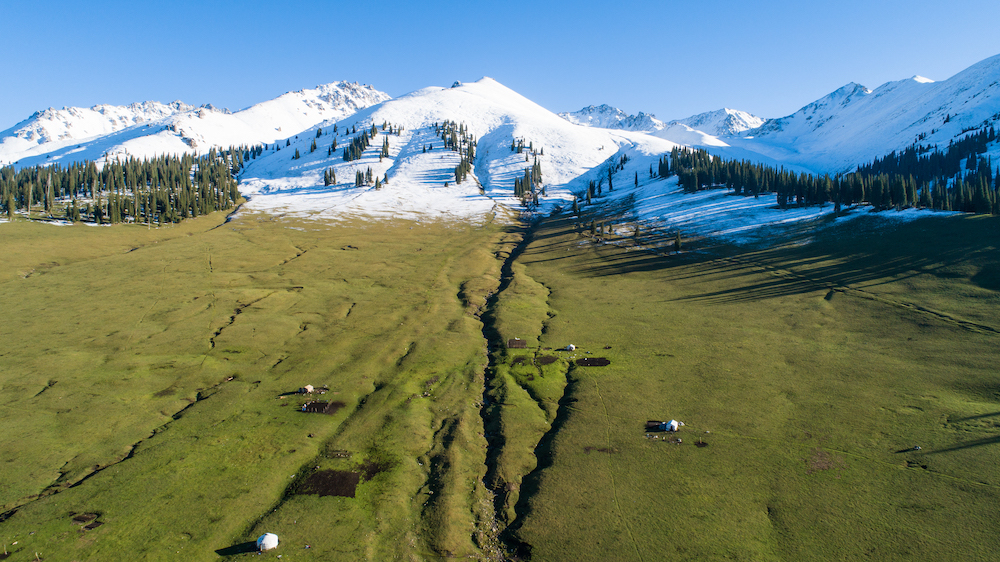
{"points": [[158, 190], [957, 178]]}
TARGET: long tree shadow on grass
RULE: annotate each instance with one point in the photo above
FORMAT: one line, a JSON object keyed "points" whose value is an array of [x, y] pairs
{"points": [[970, 418], [860, 254], [967, 445]]}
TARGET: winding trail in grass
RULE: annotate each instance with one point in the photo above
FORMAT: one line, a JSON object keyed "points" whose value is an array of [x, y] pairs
{"points": [[611, 472]]}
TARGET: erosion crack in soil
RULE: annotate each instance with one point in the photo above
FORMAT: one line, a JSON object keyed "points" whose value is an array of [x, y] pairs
{"points": [[57, 486], [494, 440], [232, 319]]}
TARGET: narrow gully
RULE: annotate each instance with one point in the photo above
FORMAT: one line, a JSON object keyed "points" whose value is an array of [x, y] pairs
{"points": [[489, 411]]}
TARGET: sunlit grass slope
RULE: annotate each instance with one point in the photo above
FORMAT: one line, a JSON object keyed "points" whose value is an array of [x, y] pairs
{"points": [[810, 371], [142, 376]]}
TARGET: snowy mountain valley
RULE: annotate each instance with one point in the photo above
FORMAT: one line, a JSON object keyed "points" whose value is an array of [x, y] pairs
{"points": [[339, 325]]}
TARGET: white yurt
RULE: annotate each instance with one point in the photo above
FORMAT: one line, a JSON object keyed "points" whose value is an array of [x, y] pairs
{"points": [[267, 541]]}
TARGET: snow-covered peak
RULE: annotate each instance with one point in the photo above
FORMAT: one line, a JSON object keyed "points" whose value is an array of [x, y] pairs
{"points": [[420, 173], [815, 114], [853, 124], [71, 123], [603, 116], [722, 122], [714, 123], [151, 128], [346, 96], [607, 117]]}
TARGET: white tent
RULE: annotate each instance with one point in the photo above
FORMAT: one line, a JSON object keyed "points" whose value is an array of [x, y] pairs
{"points": [[267, 541]]}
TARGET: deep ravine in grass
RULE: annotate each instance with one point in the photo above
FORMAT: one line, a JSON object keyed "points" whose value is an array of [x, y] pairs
{"points": [[509, 492], [490, 414]]}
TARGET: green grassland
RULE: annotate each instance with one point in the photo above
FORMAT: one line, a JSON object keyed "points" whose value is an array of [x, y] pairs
{"points": [[146, 377], [807, 369], [143, 372]]}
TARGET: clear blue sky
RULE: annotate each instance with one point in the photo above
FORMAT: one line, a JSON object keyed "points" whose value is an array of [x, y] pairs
{"points": [[673, 59]]}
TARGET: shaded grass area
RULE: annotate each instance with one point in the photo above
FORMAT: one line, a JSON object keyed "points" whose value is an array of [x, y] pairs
{"points": [[153, 375], [810, 404]]}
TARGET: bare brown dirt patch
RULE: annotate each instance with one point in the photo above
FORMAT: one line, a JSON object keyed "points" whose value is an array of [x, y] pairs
{"points": [[370, 469], [84, 518], [318, 407], [342, 483]]}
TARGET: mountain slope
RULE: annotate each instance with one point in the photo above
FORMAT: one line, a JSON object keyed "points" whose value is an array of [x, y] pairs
{"points": [[54, 128], [417, 177], [854, 125], [151, 128], [423, 183]]}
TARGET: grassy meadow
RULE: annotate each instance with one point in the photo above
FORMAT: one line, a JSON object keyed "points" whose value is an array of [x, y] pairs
{"points": [[808, 372], [148, 378]]}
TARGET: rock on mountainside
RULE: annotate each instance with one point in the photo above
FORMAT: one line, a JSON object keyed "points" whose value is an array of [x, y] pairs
{"points": [[152, 128]]}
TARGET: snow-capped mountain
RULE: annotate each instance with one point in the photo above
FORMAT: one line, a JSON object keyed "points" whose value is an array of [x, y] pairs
{"points": [[417, 177], [854, 125], [152, 128], [420, 172], [607, 117], [73, 123], [722, 122]]}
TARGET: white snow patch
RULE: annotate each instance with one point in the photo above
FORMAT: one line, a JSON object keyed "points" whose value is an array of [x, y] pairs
{"points": [[737, 219], [422, 184]]}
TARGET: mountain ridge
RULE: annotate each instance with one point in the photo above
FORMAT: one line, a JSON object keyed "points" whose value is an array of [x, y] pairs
{"points": [[850, 126], [91, 133], [854, 124]]}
